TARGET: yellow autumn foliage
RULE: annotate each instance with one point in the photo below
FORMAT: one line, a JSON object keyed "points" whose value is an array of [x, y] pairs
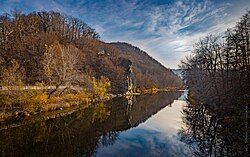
{"points": [[39, 84], [101, 112], [155, 90], [33, 99], [101, 86], [40, 99]]}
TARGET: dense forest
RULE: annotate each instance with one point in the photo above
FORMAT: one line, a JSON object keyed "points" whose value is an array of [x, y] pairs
{"points": [[57, 49], [218, 71], [62, 50], [50, 61]]}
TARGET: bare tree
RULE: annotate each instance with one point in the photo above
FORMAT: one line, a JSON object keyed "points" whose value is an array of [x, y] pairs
{"points": [[60, 64], [227, 61], [12, 75]]}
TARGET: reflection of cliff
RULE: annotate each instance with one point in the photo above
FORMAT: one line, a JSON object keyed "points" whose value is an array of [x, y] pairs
{"points": [[129, 113], [79, 133], [147, 105]]}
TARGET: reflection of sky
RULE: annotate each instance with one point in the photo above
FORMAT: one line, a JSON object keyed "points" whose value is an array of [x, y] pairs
{"points": [[184, 95], [155, 137]]}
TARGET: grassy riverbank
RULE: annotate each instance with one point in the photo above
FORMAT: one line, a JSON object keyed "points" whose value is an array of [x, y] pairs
{"points": [[23, 103], [27, 103]]}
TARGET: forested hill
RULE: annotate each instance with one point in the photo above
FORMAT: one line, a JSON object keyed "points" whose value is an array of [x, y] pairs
{"points": [[61, 50], [148, 71]]}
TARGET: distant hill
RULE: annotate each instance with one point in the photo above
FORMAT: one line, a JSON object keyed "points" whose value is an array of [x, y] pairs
{"points": [[148, 71], [178, 72]]}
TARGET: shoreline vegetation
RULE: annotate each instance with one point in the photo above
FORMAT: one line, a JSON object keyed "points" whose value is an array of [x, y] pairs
{"points": [[218, 70], [24, 101], [51, 61], [217, 75]]}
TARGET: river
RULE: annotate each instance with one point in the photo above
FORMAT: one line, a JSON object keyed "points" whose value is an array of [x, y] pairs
{"points": [[156, 136], [145, 126]]}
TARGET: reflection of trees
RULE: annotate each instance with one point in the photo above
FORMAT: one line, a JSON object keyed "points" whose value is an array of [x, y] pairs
{"points": [[215, 133], [100, 112], [79, 133], [70, 135], [109, 138], [147, 105]]}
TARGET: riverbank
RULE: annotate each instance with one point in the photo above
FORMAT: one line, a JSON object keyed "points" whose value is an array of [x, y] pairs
{"points": [[23, 102], [80, 131]]}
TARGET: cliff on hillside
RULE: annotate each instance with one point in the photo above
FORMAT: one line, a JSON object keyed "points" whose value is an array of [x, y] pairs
{"points": [[148, 71]]}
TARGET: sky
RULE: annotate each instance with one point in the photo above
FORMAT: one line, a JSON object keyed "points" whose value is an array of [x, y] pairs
{"points": [[165, 29]]}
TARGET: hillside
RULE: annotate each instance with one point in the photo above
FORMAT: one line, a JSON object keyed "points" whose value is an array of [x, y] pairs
{"points": [[64, 51], [55, 49], [148, 72]]}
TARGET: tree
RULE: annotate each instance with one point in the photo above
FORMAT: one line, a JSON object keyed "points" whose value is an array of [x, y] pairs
{"points": [[101, 86], [12, 75], [224, 64], [60, 64]]}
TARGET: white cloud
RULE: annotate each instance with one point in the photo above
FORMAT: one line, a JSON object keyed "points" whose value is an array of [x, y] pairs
{"points": [[171, 46]]}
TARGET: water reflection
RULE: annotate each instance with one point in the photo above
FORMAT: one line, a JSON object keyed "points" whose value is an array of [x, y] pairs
{"points": [[75, 134], [216, 132], [89, 132], [157, 136]]}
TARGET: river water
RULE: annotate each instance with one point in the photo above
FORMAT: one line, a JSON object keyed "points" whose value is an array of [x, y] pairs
{"points": [[156, 136], [144, 126]]}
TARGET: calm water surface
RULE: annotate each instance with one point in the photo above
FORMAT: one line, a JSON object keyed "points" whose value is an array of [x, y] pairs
{"points": [[157, 136], [162, 124]]}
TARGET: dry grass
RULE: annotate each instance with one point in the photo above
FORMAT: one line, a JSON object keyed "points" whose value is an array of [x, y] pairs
{"points": [[35, 101]]}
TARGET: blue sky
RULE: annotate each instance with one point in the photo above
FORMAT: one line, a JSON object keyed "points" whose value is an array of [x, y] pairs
{"points": [[166, 29]]}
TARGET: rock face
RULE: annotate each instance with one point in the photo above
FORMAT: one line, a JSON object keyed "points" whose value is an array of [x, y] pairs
{"points": [[147, 72]]}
